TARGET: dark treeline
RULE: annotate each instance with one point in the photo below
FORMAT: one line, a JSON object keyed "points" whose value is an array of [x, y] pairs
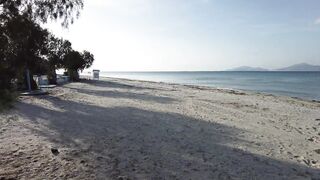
{"points": [[25, 45]]}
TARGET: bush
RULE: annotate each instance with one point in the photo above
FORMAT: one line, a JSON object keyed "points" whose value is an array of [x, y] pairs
{"points": [[6, 99], [73, 75]]}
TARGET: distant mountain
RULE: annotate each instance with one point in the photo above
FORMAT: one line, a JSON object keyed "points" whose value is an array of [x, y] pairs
{"points": [[248, 68], [300, 67], [295, 67]]}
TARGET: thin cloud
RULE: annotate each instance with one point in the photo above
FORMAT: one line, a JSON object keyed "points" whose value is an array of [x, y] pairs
{"points": [[317, 21], [101, 3], [204, 1]]}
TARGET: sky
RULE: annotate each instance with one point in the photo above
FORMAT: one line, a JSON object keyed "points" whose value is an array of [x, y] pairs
{"points": [[195, 35]]}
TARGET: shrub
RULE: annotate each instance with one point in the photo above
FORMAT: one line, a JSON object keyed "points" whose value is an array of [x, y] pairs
{"points": [[7, 98]]}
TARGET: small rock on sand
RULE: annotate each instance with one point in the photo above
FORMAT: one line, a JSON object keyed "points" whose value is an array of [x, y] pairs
{"points": [[55, 151], [123, 178], [317, 151], [313, 139]]}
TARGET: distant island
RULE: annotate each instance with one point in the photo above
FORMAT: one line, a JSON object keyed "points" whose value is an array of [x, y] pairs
{"points": [[301, 67], [248, 68], [295, 67]]}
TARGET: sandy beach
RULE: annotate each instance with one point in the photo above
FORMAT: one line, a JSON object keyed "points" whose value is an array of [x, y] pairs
{"points": [[126, 129]]}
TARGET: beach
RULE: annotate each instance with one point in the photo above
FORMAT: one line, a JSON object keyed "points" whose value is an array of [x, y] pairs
{"points": [[130, 129]]}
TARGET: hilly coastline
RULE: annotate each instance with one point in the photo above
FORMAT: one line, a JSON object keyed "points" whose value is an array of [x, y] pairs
{"points": [[295, 67], [301, 67], [248, 68]]}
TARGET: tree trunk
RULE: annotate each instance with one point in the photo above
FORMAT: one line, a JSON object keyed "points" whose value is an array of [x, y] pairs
{"points": [[52, 76], [73, 75], [33, 83]]}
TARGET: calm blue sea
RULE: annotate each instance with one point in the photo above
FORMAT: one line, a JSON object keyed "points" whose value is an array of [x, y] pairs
{"points": [[304, 85]]}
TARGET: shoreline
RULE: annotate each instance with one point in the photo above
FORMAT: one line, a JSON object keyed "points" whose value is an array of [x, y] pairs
{"points": [[104, 78], [132, 129], [304, 86]]}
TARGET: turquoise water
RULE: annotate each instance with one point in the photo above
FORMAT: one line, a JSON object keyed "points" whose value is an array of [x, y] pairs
{"points": [[304, 85]]}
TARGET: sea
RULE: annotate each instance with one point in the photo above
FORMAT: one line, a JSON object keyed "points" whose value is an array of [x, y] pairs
{"points": [[304, 85]]}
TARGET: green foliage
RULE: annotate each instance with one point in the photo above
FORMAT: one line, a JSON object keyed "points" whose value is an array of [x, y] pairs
{"points": [[22, 48], [6, 99], [26, 45], [88, 59], [56, 50], [75, 61], [42, 10]]}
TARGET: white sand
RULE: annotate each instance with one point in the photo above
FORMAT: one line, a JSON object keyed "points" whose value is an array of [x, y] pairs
{"points": [[123, 129]]}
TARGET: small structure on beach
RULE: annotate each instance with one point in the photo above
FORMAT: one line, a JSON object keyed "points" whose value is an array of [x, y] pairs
{"points": [[62, 79], [96, 74], [41, 80]]}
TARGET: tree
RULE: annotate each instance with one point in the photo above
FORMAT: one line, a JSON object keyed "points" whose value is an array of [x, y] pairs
{"points": [[87, 58], [6, 71], [76, 61], [23, 49], [42, 10], [22, 39], [57, 49]]}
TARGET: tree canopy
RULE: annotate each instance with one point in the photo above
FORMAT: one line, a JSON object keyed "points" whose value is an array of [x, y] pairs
{"points": [[76, 61], [24, 44], [42, 10]]}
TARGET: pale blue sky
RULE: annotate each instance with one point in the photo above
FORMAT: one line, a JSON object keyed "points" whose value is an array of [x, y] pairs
{"points": [[168, 35]]}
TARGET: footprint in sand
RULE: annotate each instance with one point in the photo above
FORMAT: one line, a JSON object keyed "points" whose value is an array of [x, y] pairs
{"points": [[314, 139]]}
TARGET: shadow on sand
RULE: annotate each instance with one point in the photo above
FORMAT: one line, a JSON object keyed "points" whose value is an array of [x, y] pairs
{"points": [[126, 95], [144, 144], [112, 84], [122, 91]]}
